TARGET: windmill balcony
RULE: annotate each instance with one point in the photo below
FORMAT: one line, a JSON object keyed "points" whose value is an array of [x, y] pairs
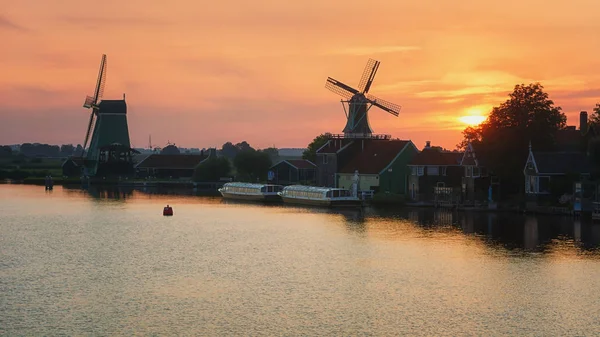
{"points": [[359, 136]]}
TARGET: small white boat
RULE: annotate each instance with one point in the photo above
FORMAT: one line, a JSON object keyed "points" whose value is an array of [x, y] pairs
{"points": [[252, 192], [319, 196]]}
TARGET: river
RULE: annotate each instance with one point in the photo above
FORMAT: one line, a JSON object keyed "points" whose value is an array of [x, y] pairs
{"points": [[76, 262]]}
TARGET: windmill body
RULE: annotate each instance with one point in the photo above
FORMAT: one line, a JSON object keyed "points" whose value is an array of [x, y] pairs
{"points": [[109, 152], [358, 102]]}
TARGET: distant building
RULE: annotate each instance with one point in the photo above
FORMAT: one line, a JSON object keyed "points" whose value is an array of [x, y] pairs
{"points": [[294, 171], [441, 176], [181, 166]]}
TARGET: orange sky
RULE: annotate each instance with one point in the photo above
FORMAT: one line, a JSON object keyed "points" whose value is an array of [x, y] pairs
{"points": [[201, 73]]}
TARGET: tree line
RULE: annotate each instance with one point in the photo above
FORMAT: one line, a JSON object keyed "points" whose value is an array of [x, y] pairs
{"points": [[240, 160], [42, 150]]}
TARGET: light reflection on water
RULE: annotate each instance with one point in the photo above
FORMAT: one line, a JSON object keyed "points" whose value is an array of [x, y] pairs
{"points": [[106, 262]]}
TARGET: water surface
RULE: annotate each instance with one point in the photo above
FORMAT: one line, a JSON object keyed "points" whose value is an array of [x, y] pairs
{"points": [[76, 262]]}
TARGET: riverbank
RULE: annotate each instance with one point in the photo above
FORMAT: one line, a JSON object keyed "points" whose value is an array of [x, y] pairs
{"points": [[389, 201]]}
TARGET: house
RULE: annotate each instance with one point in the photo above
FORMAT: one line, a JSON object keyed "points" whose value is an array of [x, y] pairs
{"points": [[550, 174], [476, 181], [330, 157], [294, 171], [381, 165], [437, 174], [171, 165], [72, 167], [553, 173]]}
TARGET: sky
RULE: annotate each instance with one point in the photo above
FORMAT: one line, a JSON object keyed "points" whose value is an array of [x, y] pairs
{"points": [[201, 73]]}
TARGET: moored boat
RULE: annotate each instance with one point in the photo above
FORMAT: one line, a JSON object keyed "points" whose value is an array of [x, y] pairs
{"points": [[251, 192], [319, 196]]}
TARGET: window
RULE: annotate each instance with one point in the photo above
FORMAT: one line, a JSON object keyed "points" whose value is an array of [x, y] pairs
{"points": [[413, 170], [469, 171], [433, 170], [420, 170], [443, 170], [440, 184], [324, 159], [475, 171]]}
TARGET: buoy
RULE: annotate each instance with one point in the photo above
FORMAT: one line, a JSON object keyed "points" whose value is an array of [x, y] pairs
{"points": [[168, 210]]}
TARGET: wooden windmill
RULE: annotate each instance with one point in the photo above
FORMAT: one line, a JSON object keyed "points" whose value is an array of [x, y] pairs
{"points": [[109, 147], [359, 102]]}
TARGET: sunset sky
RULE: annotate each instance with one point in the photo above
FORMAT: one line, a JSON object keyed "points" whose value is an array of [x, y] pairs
{"points": [[200, 73]]}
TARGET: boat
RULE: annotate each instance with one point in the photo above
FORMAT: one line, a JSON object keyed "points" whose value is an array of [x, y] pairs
{"points": [[251, 192], [319, 196]]}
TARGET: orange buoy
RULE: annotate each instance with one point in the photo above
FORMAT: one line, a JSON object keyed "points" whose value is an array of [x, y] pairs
{"points": [[168, 210]]}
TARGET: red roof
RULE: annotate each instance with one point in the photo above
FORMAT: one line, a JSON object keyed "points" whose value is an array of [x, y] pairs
{"points": [[374, 157], [172, 161], [434, 156], [302, 163]]}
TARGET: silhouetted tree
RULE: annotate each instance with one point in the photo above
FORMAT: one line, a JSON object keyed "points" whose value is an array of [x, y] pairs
{"points": [[212, 169], [243, 146], [252, 165], [501, 141], [78, 150], [67, 149], [229, 150], [5, 151], [311, 151], [594, 119], [272, 152]]}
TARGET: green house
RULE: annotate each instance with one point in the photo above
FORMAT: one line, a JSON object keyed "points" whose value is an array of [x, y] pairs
{"points": [[381, 165]]}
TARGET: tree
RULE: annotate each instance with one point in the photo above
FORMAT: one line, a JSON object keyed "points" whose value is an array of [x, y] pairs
{"points": [[5, 151], [594, 119], [501, 141], [212, 169], [311, 151], [252, 165], [67, 149], [272, 152]]}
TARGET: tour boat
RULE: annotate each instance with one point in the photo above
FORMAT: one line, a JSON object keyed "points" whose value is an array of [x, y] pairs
{"points": [[319, 196], [252, 192]]}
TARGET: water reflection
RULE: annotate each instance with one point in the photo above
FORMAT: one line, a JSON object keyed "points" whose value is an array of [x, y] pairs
{"points": [[508, 231], [539, 233]]}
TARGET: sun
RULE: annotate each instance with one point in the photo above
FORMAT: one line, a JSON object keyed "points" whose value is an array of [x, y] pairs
{"points": [[472, 120], [474, 116]]}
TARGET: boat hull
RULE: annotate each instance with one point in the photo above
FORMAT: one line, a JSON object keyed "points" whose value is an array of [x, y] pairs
{"points": [[251, 197], [323, 203]]}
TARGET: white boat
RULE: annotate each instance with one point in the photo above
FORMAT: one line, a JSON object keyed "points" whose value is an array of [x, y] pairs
{"points": [[319, 196], [253, 192]]}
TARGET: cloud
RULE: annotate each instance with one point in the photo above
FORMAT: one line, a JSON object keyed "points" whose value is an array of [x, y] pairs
{"points": [[97, 22], [360, 51], [9, 25]]}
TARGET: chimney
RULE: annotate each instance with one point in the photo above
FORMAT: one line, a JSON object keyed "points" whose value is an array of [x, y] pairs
{"points": [[583, 121], [427, 144]]}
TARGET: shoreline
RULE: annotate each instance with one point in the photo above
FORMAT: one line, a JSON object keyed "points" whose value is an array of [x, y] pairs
{"points": [[210, 189]]}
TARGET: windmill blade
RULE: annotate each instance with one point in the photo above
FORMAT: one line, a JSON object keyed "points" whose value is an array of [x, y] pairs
{"points": [[89, 129], [368, 75], [101, 80], [340, 88], [392, 108]]}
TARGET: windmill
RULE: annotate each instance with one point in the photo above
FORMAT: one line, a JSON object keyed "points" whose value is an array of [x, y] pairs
{"points": [[360, 102], [109, 150]]}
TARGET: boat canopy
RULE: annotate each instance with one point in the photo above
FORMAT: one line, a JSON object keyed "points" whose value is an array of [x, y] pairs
{"points": [[236, 187], [313, 192]]}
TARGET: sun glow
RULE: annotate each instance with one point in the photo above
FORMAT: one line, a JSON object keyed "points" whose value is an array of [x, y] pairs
{"points": [[474, 116]]}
